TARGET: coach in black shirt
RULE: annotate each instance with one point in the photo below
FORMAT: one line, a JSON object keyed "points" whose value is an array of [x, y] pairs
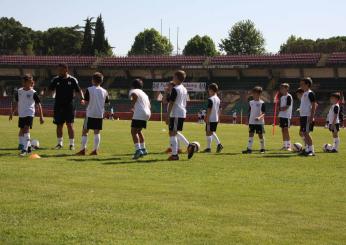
{"points": [[65, 87]]}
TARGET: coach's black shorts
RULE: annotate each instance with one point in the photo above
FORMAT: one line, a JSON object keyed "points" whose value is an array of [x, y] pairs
{"points": [[93, 123], [176, 124], [334, 129], [211, 127], [63, 114], [25, 122], [284, 122], [305, 125], [256, 128], [138, 124]]}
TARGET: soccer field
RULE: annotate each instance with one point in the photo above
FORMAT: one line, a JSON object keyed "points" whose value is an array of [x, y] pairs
{"points": [[227, 198]]}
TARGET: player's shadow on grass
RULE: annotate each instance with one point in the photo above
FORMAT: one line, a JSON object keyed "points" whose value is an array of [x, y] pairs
{"points": [[55, 155], [94, 159], [226, 154], [131, 154], [138, 161]]}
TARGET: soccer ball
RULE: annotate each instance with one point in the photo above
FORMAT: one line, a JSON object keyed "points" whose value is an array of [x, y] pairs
{"points": [[297, 147], [327, 147], [197, 146], [35, 144]]}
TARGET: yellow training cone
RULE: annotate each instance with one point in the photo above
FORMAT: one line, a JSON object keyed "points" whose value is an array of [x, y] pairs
{"points": [[34, 156]]}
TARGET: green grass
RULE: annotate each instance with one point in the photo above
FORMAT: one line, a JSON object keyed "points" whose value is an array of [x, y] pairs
{"points": [[276, 198]]}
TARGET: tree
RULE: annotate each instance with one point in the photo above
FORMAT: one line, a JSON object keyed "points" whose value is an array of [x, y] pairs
{"points": [[243, 38], [101, 45], [299, 45], [150, 42], [87, 45], [197, 45]]}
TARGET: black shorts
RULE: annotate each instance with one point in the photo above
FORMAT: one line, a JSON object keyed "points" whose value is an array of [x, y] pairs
{"points": [[256, 128], [139, 124], [63, 114], [284, 122], [305, 125], [93, 123], [211, 127], [176, 124], [335, 129], [25, 122]]}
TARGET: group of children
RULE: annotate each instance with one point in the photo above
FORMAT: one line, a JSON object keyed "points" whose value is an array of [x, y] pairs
{"points": [[96, 98]]}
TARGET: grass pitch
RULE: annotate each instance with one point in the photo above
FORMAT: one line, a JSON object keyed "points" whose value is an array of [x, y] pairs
{"points": [[227, 198]]}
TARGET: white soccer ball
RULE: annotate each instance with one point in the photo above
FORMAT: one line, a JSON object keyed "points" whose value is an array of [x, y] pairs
{"points": [[297, 147], [197, 146], [35, 144], [327, 147]]}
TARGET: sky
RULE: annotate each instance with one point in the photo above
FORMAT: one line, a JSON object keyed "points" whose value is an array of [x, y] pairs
{"points": [[276, 19]]}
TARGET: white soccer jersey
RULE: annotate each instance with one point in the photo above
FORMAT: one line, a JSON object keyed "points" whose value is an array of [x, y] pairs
{"points": [[179, 97], [26, 102], [334, 112], [306, 103], [286, 101], [257, 107], [97, 97], [142, 105], [214, 105]]}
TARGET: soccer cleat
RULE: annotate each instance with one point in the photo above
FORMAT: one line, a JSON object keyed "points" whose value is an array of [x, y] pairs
{"points": [[247, 151], [219, 148], [23, 153], [81, 153], [289, 149], [144, 151], [310, 154], [173, 158], [138, 154], [58, 147], [207, 150], [20, 147], [72, 148], [29, 149], [262, 151], [93, 153], [190, 151], [334, 151]]}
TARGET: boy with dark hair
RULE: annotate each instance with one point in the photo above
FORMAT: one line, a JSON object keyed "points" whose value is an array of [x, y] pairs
{"points": [[95, 97], [299, 94], [26, 98], [334, 120], [176, 114], [141, 114], [212, 118], [285, 115], [308, 106], [256, 120]]}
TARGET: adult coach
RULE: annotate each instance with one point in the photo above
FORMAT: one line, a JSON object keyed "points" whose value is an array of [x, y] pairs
{"points": [[65, 87]]}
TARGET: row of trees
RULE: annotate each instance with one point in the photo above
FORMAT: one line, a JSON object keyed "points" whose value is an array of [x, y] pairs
{"points": [[18, 39], [243, 38]]}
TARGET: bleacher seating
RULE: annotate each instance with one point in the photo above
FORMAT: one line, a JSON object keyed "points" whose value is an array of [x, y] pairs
{"points": [[19, 60], [337, 59]]}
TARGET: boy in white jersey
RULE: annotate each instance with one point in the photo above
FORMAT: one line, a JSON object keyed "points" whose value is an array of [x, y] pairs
{"points": [[256, 120], [308, 106], [285, 115], [212, 118], [95, 97], [26, 99], [334, 120], [141, 114], [176, 114]]}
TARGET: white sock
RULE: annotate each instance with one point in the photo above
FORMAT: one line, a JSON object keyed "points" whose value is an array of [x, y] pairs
{"points": [[312, 148], [60, 141], [84, 142], [97, 140], [336, 144], [308, 148], [216, 138], [262, 142], [250, 143], [142, 145], [26, 141], [182, 138], [21, 140], [174, 144], [137, 146], [288, 144], [209, 140], [71, 141]]}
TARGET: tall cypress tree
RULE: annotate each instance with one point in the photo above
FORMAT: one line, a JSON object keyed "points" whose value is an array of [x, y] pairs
{"points": [[100, 45], [87, 45]]}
